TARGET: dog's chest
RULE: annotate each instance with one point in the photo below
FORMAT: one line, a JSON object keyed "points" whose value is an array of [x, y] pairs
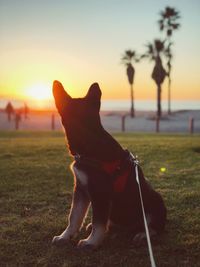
{"points": [[80, 175]]}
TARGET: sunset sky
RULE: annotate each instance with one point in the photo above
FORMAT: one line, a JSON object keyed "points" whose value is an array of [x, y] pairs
{"points": [[80, 42]]}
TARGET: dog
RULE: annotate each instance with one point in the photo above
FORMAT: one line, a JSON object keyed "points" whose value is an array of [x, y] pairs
{"points": [[104, 176]]}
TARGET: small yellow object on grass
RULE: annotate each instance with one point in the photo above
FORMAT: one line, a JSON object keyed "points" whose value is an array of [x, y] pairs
{"points": [[163, 169]]}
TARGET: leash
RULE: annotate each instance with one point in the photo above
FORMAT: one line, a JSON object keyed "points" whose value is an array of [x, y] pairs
{"points": [[136, 162]]}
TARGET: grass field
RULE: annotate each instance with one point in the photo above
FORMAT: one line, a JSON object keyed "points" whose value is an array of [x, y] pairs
{"points": [[36, 190]]}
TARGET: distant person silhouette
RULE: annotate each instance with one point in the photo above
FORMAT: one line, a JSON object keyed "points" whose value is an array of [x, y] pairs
{"points": [[9, 110], [17, 120], [26, 111]]}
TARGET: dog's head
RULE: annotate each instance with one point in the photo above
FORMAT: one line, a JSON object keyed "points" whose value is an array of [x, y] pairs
{"points": [[80, 116]]}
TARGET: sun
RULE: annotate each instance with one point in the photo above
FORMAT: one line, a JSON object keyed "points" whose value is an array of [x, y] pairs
{"points": [[39, 91]]}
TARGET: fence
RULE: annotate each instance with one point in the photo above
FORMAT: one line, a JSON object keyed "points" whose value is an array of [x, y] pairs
{"points": [[112, 123], [156, 122]]}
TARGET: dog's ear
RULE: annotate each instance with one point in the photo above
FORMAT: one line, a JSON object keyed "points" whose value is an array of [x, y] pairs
{"points": [[94, 93], [60, 95]]}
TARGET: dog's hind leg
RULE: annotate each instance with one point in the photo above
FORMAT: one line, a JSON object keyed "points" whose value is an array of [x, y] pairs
{"points": [[78, 211], [140, 236]]}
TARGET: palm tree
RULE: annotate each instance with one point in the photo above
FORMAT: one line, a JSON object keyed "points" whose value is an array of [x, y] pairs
{"points": [[154, 51], [127, 59], [168, 23]]}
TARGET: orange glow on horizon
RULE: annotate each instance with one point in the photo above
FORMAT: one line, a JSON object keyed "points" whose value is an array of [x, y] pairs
{"points": [[78, 52]]}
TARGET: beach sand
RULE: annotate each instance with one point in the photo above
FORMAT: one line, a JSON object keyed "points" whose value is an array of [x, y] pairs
{"points": [[144, 121]]}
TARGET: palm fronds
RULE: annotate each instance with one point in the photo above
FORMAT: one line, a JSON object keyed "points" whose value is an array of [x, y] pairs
{"points": [[168, 20]]}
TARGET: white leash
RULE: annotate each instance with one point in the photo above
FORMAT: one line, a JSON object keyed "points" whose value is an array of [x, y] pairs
{"points": [[143, 212]]}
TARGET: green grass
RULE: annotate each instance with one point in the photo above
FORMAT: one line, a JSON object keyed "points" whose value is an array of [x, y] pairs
{"points": [[36, 189]]}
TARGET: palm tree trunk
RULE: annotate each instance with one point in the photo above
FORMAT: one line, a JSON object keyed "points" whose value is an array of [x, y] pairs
{"points": [[169, 95], [169, 80], [132, 102], [159, 110]]}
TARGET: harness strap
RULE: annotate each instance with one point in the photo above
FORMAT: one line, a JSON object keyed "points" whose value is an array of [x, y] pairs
{"points": [[120, 176], [116, 169]]}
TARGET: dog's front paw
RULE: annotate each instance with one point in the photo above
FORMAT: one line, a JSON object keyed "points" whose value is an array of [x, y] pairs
{"points": [[60, 240], [85, 245]]}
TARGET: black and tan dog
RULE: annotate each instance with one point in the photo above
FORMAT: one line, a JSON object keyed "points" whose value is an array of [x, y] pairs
{"points": [[104, 175]]}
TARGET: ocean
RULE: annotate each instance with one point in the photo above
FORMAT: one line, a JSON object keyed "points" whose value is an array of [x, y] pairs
{"points": [[149, 105], [114, 105]]}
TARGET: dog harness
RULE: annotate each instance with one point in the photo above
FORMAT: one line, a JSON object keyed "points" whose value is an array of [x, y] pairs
{"points": [[119, 170]]}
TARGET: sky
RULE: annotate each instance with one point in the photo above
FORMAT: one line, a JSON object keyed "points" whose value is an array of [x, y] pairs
{"points": [[80, 42]]}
